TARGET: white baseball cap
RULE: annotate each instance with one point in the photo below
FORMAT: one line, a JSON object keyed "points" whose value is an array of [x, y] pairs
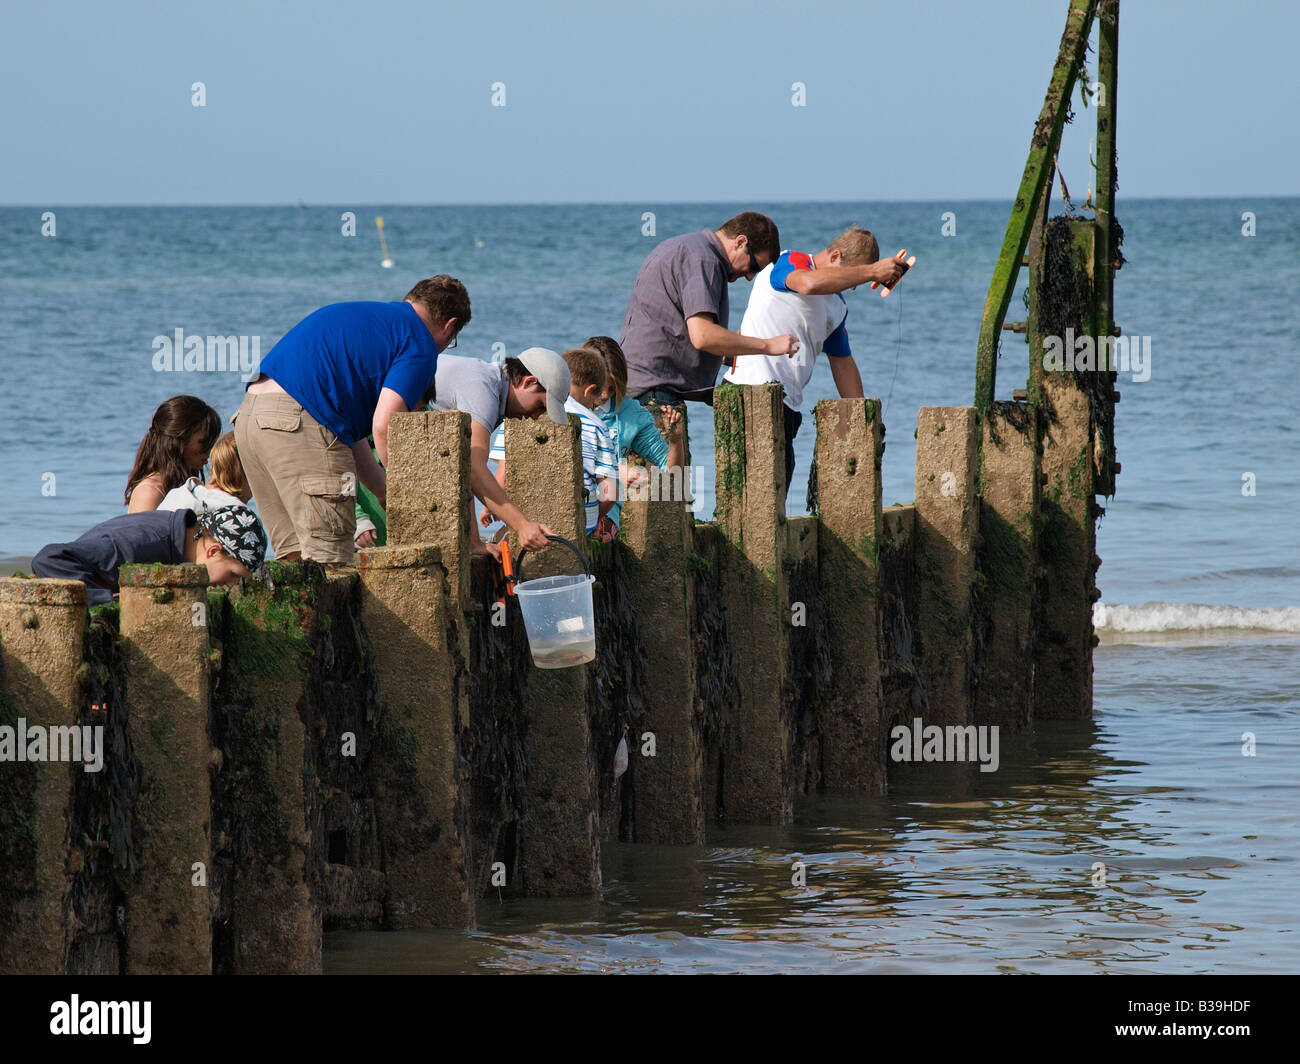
{"points": [[552, 373]]}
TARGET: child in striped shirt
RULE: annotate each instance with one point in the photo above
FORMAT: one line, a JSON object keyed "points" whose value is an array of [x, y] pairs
{"points": [[599, 459]]}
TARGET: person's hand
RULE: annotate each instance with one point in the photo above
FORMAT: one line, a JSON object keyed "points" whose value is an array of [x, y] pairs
{"points": [[887, 271], [606, 530], [366, 538], [532, 535], [785, 344], [485, 518], [635, 476], [492, 550], [672, 424]]}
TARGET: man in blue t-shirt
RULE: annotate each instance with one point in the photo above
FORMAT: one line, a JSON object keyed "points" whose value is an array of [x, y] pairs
{"points": [[332, 381]]}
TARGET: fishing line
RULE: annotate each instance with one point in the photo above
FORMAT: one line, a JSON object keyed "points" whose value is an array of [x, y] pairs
{"points": [[897, 357]]}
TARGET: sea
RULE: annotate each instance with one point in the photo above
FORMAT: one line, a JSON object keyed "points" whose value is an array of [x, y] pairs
{"points": [[1159, 837]]}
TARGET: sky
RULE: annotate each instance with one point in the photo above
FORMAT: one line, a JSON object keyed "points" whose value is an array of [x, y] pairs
{"points": [[391, 101]]}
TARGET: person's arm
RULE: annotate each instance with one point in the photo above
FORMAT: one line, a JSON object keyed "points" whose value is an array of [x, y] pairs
{"points": [[477, 546], [848, 381], [498, 455], [831, 279], [707, 335], [634, 479], [370, 472], [486, 518], [676, 438], [146, 495], [606, 493], [365, 536], [390, 403], [646, 439], [532, 534]]}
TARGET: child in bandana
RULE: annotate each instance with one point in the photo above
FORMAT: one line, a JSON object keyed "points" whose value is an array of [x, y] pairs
{"points": [[229, 541]]}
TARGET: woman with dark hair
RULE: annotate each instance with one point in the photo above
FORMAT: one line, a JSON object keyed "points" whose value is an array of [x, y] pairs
{"points": [[174, 449]]}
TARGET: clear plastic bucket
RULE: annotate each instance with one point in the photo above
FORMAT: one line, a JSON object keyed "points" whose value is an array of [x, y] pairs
{"points": [[559, 620]]}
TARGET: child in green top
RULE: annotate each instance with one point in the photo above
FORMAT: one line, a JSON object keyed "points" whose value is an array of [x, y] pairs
{"points": [[372, 522]]}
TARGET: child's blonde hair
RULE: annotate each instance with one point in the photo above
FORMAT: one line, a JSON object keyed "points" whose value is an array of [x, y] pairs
{"points": [[586, 368], [615, 363], [227, 469]]}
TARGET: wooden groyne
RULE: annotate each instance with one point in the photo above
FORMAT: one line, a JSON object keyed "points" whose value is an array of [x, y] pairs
{"points": [[372, 747]]}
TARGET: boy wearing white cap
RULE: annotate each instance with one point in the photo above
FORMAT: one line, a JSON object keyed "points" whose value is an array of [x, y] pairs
{"points": [[536, 382]]}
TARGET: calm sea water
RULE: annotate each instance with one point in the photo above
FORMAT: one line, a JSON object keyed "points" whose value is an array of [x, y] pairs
{"points": [[1201, 581]]}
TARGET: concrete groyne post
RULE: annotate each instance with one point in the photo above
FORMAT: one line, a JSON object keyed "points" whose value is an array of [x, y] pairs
{"points": [[429, 490], [757, 766], [420, 804], [947, 522], [278, 872], [901, 687], [165, 651], [559, 841], [1008, 519], [429, 506], [42, 630], [849, 446], [657, 528]]}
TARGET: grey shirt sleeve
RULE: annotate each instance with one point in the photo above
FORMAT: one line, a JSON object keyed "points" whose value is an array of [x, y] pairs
{"points": [[472, 386], [702, 286]]}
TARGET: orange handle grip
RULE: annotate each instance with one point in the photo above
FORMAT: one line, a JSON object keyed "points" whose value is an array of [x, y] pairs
{"points": [[907, 265]]}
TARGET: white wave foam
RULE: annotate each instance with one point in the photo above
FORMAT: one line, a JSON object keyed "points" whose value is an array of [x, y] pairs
{"points": [[1191, 617]]}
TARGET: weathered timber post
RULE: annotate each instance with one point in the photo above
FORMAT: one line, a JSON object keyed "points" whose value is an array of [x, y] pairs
{"points": [[1067, 539], [417, 779], [165, 647], [1005, 596], [757, 769], [849, 439], [42, 628], [276, 887], [657, 528], [414, 602], [900, 681], [947, 522], [559, 842]]}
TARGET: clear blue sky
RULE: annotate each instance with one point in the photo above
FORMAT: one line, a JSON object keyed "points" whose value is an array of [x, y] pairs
{"points": [[389, 101]]}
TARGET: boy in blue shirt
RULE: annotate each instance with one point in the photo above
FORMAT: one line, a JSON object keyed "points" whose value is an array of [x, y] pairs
{"points": [[229, 541]]}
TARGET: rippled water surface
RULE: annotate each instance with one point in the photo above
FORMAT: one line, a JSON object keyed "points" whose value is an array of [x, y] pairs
{"points": [[959, 871]]}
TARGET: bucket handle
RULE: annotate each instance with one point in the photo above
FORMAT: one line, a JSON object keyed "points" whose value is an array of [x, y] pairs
{"points": [[512, 577]]}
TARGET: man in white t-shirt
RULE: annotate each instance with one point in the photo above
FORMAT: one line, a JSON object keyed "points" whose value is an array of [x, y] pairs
{"points": [[799, 294]]}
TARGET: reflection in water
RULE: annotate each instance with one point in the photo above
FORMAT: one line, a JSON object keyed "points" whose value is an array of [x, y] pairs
{"points": [[962, 871]]}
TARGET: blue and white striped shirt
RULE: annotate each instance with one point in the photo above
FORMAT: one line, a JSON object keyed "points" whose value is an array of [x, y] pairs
{"points": [[599, 458]]}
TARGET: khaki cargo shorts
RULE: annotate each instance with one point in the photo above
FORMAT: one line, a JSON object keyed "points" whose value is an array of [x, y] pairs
{"points": [[303, 478]]}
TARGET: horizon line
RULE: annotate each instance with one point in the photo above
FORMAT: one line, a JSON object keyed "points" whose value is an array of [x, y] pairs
{"points": [[613, 203]]}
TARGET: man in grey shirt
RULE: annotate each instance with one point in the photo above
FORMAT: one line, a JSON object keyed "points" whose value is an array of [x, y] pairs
{"points": [[675, 334], [536, 382]]}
